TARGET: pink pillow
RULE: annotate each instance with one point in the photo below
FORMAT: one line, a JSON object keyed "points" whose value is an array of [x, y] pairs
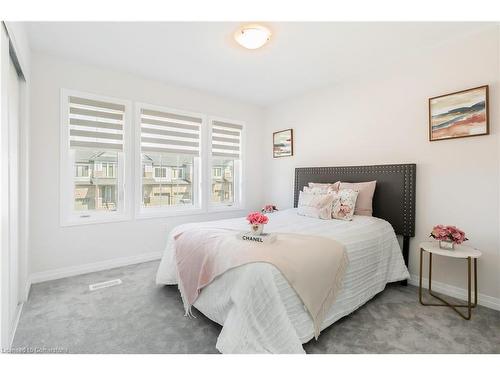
{"points": [[365, 197]]}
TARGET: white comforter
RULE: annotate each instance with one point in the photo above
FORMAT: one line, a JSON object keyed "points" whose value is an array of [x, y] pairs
{"points": [[261, 313]]}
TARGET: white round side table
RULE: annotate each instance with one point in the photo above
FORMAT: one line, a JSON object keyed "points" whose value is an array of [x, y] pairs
{"points": [[460, 251]]}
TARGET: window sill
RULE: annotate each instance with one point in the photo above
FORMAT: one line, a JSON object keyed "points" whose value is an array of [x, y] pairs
{"points": [[96, 219], [224, 208], [159, 213], [147, 214]]}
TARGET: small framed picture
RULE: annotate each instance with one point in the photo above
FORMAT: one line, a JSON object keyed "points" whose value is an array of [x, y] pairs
{"points": [[459, 114], [283, 143]]}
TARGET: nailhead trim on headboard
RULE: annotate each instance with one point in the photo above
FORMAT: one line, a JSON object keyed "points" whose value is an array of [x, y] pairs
{"points": [[401, 176]]}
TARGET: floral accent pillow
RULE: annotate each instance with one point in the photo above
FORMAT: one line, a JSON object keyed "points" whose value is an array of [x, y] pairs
{"points": [[344, 202], [318, 206]]}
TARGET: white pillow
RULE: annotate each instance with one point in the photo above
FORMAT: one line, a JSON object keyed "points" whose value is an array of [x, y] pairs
{"points": [[318, 190], [318, 206], [327, 188]]}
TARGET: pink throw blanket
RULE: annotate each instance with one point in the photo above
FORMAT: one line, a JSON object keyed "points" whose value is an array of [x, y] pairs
{"points": [[314, 266]]}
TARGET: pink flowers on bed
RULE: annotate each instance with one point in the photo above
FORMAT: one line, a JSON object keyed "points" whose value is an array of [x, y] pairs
{"points": [[448, 233], [269, 208], [257, 218]]}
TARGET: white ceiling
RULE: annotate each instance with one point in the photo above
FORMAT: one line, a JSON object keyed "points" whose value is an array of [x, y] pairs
{"points": [[203, 55]]}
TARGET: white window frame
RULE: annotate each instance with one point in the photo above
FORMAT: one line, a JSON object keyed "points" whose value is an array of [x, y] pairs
{"points": [[70, 217], [199, 168], [239, 170]]}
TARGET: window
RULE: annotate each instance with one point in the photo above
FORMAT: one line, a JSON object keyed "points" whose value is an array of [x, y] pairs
{"points": [[108, 195], [171, 145], [82, 170], [216, 172], [109, 169], [225, 163], [170, 158], [177, 173], [160, 172], [93, 146]]}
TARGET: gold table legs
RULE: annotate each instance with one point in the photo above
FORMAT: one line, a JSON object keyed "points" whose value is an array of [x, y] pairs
{"points": [[469, 305]]}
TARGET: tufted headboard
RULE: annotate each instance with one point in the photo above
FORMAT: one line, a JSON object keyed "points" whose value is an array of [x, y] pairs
{"points": [[394, 198]]}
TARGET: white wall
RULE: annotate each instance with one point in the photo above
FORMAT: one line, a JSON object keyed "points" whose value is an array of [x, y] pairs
{"points": [[54, 247], [383, 119]]}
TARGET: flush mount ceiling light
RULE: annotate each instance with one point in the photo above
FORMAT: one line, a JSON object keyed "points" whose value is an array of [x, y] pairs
{"points": [[252, 36]]}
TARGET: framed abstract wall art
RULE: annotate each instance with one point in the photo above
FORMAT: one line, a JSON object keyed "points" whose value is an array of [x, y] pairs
{"points": [[459, 114], [283, 143]]}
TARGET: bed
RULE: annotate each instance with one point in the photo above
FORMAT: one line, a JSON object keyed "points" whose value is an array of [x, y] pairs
{"points": [[258, 310]]}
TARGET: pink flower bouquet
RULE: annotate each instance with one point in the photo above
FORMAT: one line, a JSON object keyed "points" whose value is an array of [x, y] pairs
{"points": [[257, 221], [269, 208], [257, 218], [448, 233]]}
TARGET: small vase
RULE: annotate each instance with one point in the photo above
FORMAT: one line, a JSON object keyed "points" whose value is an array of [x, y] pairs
{"points": [[256, 229], [447, 245]]}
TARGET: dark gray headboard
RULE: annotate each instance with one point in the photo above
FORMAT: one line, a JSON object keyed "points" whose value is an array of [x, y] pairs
{"points": [[394, 198]]}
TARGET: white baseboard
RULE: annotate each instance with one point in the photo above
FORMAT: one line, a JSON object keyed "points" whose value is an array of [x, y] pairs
{"points": [[60, 273], [16, 323], [456, 292], [27, 289]]}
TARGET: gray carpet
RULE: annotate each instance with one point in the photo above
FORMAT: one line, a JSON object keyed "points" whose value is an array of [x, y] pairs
{"points": [[140, 317]]}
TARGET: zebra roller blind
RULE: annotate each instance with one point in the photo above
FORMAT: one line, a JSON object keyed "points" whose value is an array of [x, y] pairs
{"points": [[170, 133], [95, 124], [226, 139]]}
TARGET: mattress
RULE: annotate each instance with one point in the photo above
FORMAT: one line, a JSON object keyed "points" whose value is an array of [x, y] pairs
{"points": [[261, 313]]}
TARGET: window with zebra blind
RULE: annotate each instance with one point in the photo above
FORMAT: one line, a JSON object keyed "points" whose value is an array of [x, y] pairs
{"points": [[185, 162], [94, 141], [225, 163], [170, 153]]}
